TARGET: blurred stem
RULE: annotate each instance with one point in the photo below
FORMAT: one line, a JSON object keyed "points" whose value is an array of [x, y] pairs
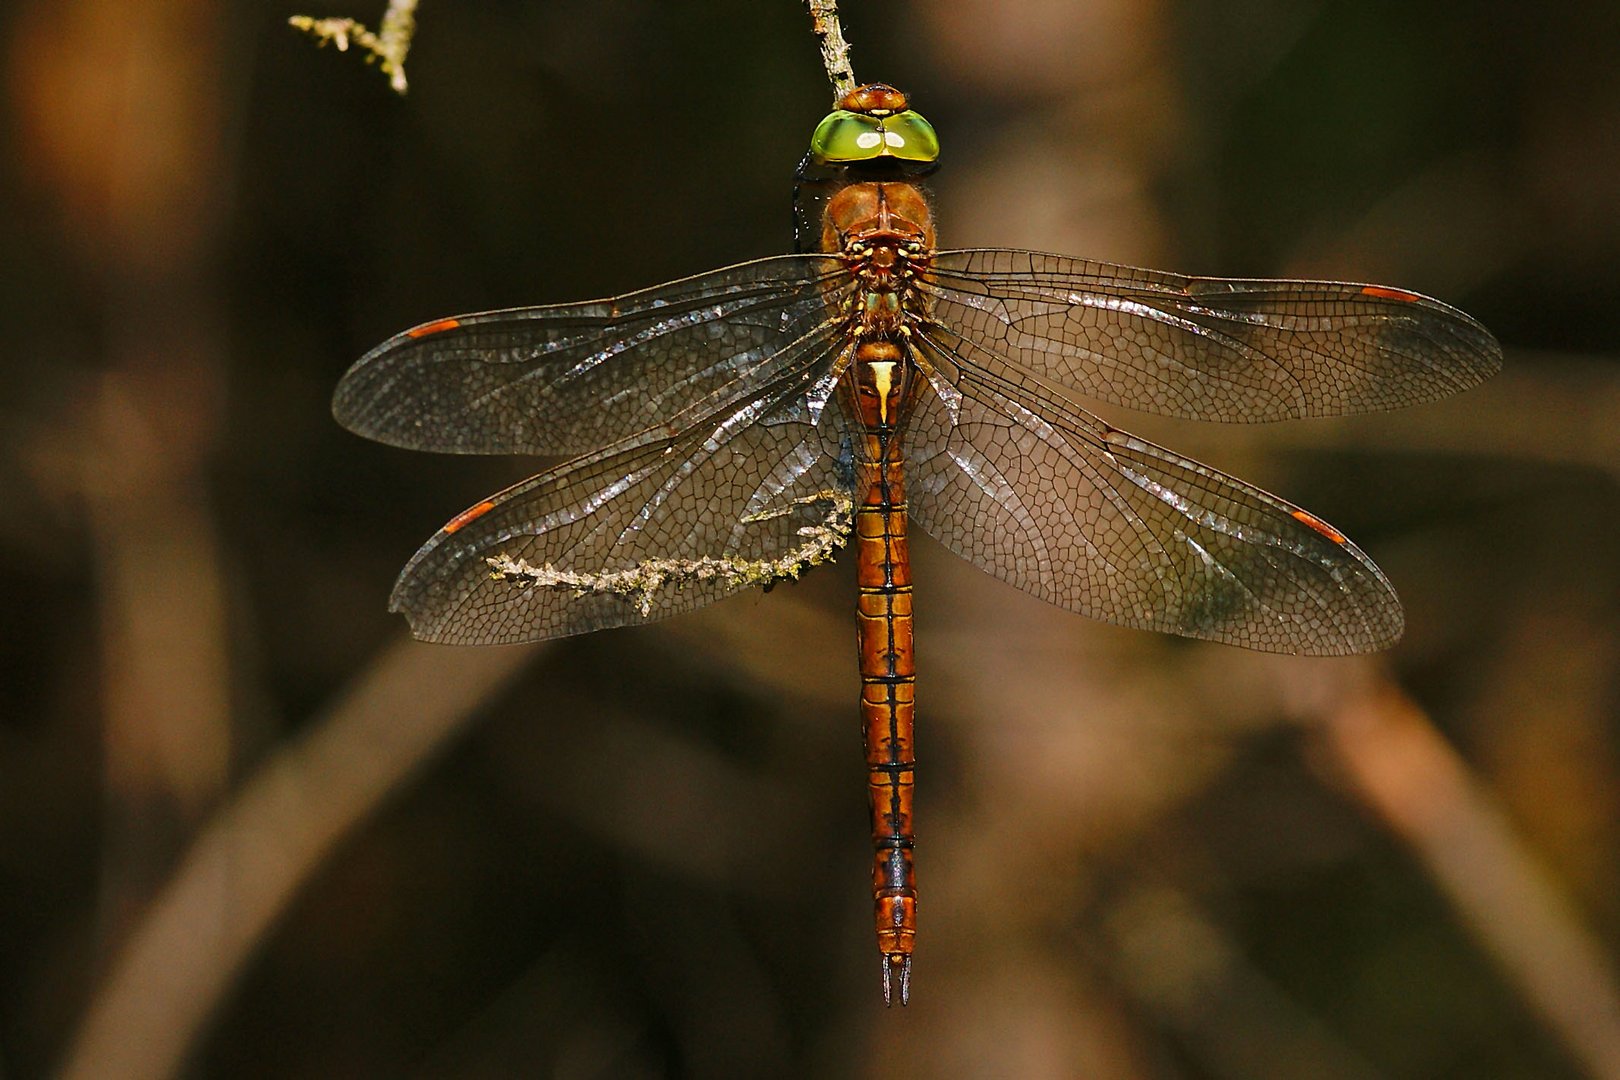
{"points": [[252, 857], [1401, 767], [119, 109], [834, 49], [167, 736]]}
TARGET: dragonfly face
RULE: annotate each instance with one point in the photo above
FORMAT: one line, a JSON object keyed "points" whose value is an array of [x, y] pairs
{"points": [[734, 428]]}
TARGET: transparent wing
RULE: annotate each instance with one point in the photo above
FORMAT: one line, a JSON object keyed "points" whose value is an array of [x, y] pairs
{"points": [[1210, 348], [571, 378], [654, 525], [1047, 497]]}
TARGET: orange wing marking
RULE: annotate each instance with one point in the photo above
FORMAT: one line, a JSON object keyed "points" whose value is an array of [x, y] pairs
{"points": [[437, 326], [1305, 517], [1384, 292], [472, 514]]}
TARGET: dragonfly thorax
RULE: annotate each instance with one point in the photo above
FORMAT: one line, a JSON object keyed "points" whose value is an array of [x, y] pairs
{"points": [[873, 214], [885, 232]]}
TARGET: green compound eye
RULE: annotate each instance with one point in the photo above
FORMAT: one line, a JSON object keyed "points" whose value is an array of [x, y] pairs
{"points": [[845, 136], [909, 137]]}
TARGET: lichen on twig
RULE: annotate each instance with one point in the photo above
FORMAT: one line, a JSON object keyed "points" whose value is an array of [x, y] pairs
{"points": [[387, 47], [640, 584], [834, 49]]}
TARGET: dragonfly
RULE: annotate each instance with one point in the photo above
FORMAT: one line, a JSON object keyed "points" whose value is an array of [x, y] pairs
{"points": [[730, 430]]}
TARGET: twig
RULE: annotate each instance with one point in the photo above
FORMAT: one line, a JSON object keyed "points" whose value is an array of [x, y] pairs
{"points": [[1402, 768], [251, 860], [388, 47], [834, 49]]}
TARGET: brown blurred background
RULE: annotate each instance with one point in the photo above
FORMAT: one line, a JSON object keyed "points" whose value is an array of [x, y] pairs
{"points": [[245, 830]]}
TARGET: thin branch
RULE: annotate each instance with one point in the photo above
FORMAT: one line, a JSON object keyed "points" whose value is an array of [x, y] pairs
{"points": [[834, 49], [1401, 767], [387, 48], [257, 852]]}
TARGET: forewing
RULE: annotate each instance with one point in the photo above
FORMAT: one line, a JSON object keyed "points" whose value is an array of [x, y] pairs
{"points": [[1047, 497], [1210, 348], [572, 378], [647, 528]]}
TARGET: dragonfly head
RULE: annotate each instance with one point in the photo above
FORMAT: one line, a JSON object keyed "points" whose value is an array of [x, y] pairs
{"points": [[873, 124]]}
